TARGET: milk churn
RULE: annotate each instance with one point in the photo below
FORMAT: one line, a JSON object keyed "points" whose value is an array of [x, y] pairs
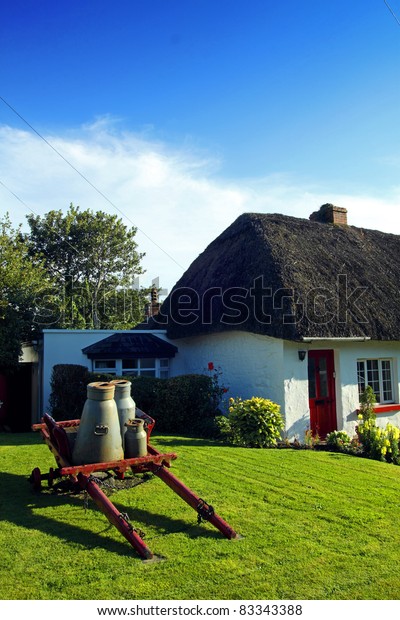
{"points": [[99, 437], [135, 439], [125, 404]]}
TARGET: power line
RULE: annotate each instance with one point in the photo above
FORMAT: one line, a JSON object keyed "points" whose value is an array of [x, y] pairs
{"points": [[64, 240], [85, 179], [34, 213], [392, 12]]}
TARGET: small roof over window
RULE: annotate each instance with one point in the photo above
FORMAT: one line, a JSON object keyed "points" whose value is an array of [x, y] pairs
{"points": [[128, 345]]}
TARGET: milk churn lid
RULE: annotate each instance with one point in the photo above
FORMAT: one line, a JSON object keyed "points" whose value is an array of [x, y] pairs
{"points": [[122, 385], [134, 424], [101, 390]]}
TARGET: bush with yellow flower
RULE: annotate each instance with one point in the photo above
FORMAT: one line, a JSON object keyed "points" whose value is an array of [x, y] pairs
{"points": [[378, 443]]}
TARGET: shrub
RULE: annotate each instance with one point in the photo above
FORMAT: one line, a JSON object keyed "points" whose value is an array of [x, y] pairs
{"points": [[311, 439], [145, 392], [68, 391], [369, 434], [392, 452], [186, 404], [339, 441], [372, 439], [381, 444], [367, 404], [253, 423], [217, 390]]}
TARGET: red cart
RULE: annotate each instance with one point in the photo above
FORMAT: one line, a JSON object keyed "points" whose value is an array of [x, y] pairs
{"points": [[57, 436]]}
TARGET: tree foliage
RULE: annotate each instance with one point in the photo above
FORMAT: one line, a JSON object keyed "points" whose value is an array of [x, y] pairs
{"points": [[24, 282], [93, 257]]}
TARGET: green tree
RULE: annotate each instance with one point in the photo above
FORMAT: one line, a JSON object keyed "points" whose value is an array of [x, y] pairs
{"points": [[23, 284], [94, 258]]}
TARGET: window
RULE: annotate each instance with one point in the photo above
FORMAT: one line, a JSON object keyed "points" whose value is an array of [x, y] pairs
{"points": [[130, 364], [139, 367], [106, 366], [135, 367], [312, 386], [164, 369], [378, 374]]}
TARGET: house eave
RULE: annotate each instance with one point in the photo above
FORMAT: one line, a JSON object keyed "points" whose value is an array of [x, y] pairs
{"points": [[310, 339]]}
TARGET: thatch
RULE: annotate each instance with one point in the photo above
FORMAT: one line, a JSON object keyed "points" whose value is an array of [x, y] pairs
{"points": [[306, 265]]}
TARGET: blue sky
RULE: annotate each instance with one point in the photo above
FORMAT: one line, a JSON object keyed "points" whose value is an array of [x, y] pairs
{"points": [[185, 113]]}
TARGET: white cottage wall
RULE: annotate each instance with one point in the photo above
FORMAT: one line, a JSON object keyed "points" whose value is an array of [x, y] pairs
{"points": [[251, 364], [296, 407]]}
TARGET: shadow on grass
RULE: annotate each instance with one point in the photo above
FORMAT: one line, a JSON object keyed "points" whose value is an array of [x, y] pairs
{"points": [[165, 440], [165, 525], [20, 439], [31, 438], [18, 503]]}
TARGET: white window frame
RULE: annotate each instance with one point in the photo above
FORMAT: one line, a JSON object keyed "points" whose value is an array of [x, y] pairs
{"points": [[161, 369], [380, 360], [108, 370]]}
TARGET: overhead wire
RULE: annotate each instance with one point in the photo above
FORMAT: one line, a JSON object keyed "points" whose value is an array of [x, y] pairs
{"points": [[392, 12], [85, 179], [34, 213]]}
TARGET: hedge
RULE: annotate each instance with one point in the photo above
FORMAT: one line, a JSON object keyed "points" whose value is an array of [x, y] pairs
{"points": [[184, 404], [187, 404], [68, 391]]}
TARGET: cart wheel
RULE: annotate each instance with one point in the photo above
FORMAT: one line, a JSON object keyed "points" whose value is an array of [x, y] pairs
{"points": [[51, 477], [36, 479]]}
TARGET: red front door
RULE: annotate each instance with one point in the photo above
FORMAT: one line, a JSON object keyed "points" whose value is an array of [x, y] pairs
{"points": [[321, 392]]}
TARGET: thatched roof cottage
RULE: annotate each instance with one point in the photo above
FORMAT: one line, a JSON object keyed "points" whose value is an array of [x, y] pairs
{"points": [[304, 312]]}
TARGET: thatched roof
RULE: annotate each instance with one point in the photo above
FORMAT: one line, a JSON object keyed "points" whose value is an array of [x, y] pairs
{"points": [[319, 279]]}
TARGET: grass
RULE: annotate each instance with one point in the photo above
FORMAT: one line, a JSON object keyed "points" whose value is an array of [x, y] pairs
{"points": [[315, 525]]}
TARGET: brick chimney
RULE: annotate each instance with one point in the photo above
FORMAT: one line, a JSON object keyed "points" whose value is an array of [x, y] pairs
{"points": [[329, 214], [154, 306]]}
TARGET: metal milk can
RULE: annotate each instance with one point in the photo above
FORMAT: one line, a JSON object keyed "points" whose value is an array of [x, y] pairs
{"points": [[99, 437], [125, 404], [135, 439]]}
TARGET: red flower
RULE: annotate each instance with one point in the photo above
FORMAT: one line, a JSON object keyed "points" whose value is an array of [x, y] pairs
{"points": [[224, 390], [210, 366]]}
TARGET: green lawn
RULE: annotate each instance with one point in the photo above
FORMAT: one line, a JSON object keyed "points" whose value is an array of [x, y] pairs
{"points": [[315, 525]]}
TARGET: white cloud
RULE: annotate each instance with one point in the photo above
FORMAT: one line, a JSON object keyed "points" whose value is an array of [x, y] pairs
{"points": [[174, 196]]}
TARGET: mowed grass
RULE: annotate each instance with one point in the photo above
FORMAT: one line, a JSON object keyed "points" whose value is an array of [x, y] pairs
{"points": [[315, 525]]}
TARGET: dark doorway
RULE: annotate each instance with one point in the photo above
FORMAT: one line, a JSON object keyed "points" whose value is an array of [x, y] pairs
{"points": [[19, 399]]}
